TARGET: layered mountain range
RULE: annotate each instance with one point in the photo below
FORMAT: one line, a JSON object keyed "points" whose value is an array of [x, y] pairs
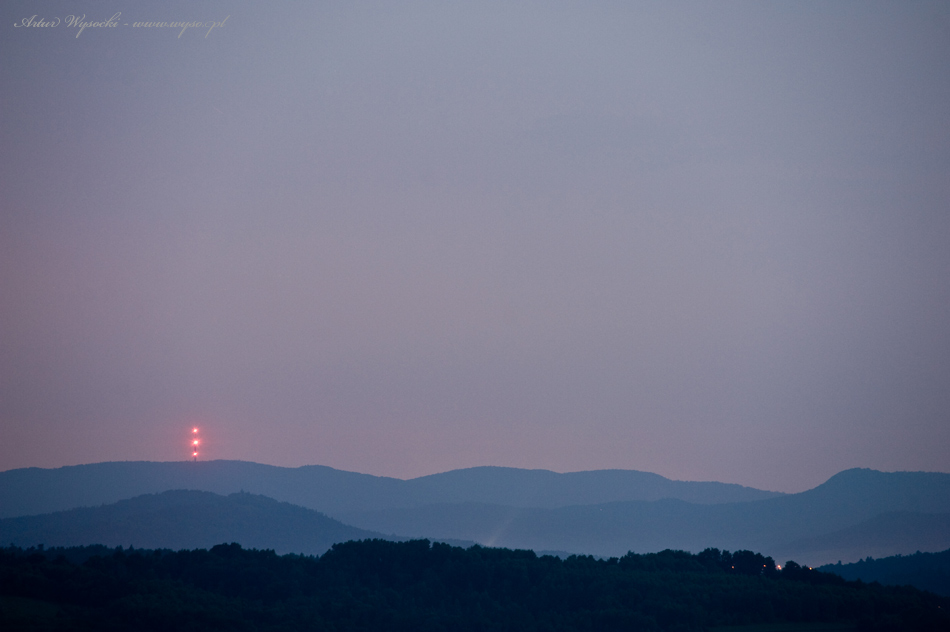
{"points": [[854, 514], [34, 490], [184, 519]]}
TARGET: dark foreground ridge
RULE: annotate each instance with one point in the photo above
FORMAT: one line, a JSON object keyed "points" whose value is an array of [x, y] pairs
{"points": [[418, 586], [927, 571]]}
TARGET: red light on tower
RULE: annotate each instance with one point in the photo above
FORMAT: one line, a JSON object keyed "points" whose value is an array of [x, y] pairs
{"points": [[194, 443]]}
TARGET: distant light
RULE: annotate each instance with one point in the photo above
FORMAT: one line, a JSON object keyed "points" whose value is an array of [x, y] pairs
{"points": [[195, 441]]}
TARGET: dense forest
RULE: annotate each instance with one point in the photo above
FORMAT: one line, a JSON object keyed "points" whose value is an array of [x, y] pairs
{"points": [[380, 585]]}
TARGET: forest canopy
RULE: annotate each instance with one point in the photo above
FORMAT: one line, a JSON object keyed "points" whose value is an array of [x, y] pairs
{"points": [[418, 585]]}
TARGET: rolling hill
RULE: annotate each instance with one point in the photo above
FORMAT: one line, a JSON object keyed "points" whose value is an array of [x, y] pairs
{"points": [[30, 491], [791, 526], [926, 571], [186, 520], [854, 514], [888, 534]]}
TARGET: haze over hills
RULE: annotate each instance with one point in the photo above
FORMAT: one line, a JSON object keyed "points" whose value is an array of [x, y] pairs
{"points": [[854, 514], [186, 520], [888, 534], [779, 526], [31, 491]]}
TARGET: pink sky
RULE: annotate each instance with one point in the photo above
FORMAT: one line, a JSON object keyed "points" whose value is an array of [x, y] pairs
{"points": [[704, 240]]}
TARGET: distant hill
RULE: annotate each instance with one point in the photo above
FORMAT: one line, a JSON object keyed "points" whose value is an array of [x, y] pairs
{"points": [[927, 571], [31, 491], [545, 489], [854, 514], [788, 527], [887, 534], [186, 520]]}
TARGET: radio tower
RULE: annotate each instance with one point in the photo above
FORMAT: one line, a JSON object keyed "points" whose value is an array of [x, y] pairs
{"points": [[194, 443]]}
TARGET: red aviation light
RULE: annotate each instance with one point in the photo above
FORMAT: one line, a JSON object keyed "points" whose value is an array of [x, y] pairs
{"points": [[194, 442]]}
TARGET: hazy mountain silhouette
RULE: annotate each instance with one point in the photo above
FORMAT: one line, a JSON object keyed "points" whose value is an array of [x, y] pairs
{"points": [[543, 488], [896, 533], [927, 571], [186, 520], [854, 514], [786, 526], [33, 490]]}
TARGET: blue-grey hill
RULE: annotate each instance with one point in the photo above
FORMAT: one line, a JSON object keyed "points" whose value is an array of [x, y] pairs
{"points": [[186, 520], [30, 491]]}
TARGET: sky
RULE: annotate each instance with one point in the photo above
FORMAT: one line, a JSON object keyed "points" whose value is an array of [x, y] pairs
{"points": [[706, 240]]}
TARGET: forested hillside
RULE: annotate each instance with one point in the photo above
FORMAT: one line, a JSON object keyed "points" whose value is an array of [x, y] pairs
{"points": [[927, 571], [380, 585]]}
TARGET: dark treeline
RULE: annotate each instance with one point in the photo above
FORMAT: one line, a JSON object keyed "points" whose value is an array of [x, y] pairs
{"points": [[418, 586], [927, 571]]}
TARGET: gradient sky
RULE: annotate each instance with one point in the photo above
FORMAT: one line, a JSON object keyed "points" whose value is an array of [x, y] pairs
{"points": [[707, 240]]}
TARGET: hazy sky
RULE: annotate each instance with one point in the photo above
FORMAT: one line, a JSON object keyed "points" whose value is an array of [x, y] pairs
{"points": [[706, 239]]}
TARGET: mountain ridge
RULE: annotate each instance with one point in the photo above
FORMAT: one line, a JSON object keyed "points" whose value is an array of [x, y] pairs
{"points": [[29, 491], [186, 519], [788, 525], [530, 509]]}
